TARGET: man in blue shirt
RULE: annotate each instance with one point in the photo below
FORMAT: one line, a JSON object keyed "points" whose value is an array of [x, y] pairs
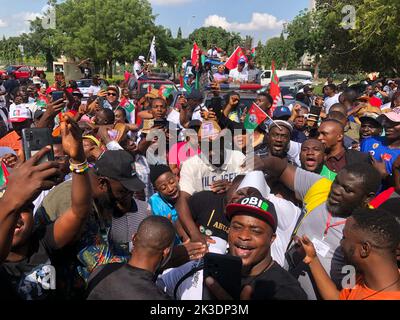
{"points": [[386, 148]]}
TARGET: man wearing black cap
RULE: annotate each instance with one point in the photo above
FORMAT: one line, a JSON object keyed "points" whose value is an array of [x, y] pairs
{"points": [[252, 231], [116, 215]]}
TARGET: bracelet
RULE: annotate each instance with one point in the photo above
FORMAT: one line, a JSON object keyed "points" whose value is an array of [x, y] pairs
{"points": [[77, 165], [80, 170]]}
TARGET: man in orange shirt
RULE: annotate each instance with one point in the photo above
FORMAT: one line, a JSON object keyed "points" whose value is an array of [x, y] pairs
{"points": [[370, 240], [21, 118]]}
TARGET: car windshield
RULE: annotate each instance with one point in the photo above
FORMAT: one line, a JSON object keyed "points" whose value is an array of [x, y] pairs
{"points": [[11, 69], [84, 83]]}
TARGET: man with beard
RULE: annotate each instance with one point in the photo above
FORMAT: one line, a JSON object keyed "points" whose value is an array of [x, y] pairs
{"points": [[27, 254], [210, 170], [326, 205], [331, 134], [312, 157], [370, 240], [116, 215]]}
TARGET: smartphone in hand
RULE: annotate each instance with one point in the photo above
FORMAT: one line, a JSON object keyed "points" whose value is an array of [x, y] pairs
{"points": [[34, 139], [226, 270], [57, 95]]}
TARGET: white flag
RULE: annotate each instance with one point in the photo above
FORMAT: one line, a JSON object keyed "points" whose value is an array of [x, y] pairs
{"points": [[153, 55]]}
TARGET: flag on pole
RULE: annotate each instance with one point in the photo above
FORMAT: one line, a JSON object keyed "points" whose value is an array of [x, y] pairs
{"points": [[164, 91], [129, 108], [253, 52], [195, 54], [153, 54], [254, 117], [233, 60], [3, 174], [274, 89]]}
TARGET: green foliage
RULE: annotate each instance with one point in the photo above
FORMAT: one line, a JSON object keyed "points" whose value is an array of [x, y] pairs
{"points": [[208, 36], [281, 51]]}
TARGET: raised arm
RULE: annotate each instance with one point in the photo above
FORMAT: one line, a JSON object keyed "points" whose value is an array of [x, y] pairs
{"points": [[68, 225], [24, 185], [326, 286]]}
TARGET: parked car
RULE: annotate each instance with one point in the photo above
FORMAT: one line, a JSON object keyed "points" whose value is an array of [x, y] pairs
{"points": [[305, 77], [84, 85], [20, 71]]}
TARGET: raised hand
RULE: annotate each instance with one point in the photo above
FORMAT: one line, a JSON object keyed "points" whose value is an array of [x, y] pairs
{"points": [[71, 136]]}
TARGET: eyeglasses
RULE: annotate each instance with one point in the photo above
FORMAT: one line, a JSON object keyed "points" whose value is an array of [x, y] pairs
{"points": [[111, 94]]}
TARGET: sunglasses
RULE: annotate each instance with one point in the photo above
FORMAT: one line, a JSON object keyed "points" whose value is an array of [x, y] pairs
{"points": [[111, 94]]}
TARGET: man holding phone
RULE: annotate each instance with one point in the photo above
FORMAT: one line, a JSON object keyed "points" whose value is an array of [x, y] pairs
{"points": [[252, 231]]}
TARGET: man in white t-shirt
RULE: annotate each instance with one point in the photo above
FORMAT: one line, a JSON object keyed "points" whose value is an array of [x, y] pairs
{"points": [[207, 171], [332, 97], [138, 67], [95, 87], [240, 74], [213, 52]]}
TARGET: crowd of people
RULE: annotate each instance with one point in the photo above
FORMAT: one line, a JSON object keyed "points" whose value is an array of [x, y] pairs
{"points": [[144, 185]]}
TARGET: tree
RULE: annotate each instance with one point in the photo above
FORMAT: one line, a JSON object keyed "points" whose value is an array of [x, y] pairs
{"points": [[208, 36], [106, 30], [281, 51], [179, 34]]}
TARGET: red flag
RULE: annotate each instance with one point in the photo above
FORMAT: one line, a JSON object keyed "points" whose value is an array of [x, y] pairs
{"points": [[195, 54], [3, 174], [274, 89], [254, 117], [233, 60]]}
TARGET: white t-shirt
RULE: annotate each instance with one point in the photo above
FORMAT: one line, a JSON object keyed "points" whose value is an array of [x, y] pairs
{"points": [[93, 90], [239, 76], [288, 214], [197, 174], [294, 152], [330, 101], [212, 53], [137, 67]]}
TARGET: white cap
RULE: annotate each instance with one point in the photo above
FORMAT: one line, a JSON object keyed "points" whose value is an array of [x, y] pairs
{"points": [[142, 58], [256, 179], [390, 82], [36, 80], [19, 113]]}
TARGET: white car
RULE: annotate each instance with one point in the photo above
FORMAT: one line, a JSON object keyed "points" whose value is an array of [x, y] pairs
{"points": [[293, 76]]}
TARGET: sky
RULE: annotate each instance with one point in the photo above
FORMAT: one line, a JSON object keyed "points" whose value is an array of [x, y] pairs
{"points": [[261, 19]]}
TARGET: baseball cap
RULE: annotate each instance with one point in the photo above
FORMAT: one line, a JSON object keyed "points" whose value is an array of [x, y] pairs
{"points": [[256, 207], [390, 82], [36, 80], [393, 115], [19, 113], [242, 60], [142, 58], [280, 123], [119, 165], [281, 112]]}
